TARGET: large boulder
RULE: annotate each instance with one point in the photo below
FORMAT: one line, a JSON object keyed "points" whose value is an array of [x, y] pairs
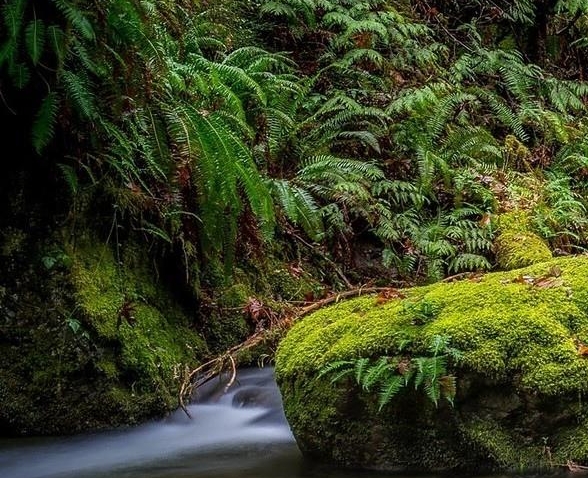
{"points": [[521, 379]]}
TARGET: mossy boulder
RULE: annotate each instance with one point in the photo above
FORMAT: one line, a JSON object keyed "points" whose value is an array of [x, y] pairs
{"points": [[516, 245], [89, 339], [521, 380]]}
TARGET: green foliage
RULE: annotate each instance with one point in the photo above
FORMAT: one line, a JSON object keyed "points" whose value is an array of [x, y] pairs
{"points": [[390, 374], [391, 125], [44, 125]]}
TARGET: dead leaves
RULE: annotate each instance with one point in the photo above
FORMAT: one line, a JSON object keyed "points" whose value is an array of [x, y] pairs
{"points": [[260, 314], [388, 294], [548, 281], [581, 347]]}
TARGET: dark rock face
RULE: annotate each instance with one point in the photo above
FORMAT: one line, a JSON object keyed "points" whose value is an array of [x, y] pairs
{"points": [[520, 381], [85, 342]]}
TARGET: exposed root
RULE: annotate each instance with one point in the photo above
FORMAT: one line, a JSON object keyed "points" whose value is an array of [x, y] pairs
{"points": [[208, 370]]}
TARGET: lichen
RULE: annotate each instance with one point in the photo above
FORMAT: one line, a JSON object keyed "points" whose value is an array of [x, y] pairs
{"points": [[518, 331]]}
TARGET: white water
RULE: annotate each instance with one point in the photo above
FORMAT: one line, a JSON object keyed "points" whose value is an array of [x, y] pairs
{"points": [[228, 435]]}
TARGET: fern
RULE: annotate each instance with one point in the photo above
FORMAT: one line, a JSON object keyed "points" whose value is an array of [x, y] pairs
{"points": [[384, 373], [77, 18], [389, 389], [35, 38], [78, 90], [44, 125], [70, 177]]}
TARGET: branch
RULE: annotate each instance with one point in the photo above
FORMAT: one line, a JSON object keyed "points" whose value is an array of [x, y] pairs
{"points": [[571, 23], [210, 369]]}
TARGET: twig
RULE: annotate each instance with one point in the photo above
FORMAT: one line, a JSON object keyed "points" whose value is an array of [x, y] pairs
{"points": [[572, 466], [335, 267], [337, 297], [233, 375], [571, 23], [461, 275]]}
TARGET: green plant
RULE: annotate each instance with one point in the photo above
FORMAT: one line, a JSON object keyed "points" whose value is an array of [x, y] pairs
{"points": [[391, 374]]}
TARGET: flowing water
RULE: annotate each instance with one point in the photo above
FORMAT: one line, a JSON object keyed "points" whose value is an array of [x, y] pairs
{"points": [[239, 434]]}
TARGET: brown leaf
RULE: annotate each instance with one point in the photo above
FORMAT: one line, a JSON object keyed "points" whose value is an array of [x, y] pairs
{"points": [[554, 271], [549, 282], [404, 365], [486, 220], [254, 308], [388, 294], [126, 312], [295, 270], [521, 279], [582, 349]]}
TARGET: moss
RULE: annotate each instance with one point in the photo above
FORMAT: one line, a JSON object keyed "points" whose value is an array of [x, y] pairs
{"points": [[123, 304], [520, 336], [516, 245], [95, 345], [508, 452], [287, 286]]}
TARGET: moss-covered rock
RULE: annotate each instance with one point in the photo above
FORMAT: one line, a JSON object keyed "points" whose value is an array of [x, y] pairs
{"points": [[520, 381], [89, 341], [516, 245]]}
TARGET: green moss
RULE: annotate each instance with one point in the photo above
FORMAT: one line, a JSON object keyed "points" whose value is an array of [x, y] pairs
{"points": [[98, 284], [106, 352], [509, 453], [515, 335], [289, 287], [516, 246]]}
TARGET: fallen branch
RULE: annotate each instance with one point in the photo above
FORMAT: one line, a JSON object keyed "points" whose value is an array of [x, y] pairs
{"points": [[210, 369], [572, 466]]}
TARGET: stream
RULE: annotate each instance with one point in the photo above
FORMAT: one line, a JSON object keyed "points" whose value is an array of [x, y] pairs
{"points": [[239, 434]]}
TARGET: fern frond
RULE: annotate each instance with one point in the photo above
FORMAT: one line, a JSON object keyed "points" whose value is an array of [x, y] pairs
{"points": [[43, 128], [337, 366], [359, 369], [78, 90], [77, 18], [35, 39], [375, 373], [389, 390]]}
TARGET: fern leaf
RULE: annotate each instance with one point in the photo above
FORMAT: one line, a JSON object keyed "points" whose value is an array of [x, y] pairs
{"points": [[35, 40], [389, 389], [44, 124], [376, 373], [78, 90], [70, 177], [336, 366], [359, 368], [77, 18]]}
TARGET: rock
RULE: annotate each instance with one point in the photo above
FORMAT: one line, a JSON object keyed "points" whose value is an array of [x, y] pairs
{"points": [[520, 381]]}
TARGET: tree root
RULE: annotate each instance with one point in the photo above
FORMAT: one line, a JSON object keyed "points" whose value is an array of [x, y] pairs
{"points": [[213, 367]]}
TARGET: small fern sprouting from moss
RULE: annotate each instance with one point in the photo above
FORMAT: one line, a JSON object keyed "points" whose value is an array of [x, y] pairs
{"points": [[389, 375]]}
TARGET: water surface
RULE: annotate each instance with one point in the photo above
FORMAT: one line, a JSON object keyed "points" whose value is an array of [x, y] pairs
{"points": [[239, 434]]}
